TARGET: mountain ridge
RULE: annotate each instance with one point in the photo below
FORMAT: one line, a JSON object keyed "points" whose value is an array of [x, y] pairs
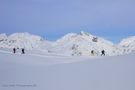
{"points": [[71, 44]]}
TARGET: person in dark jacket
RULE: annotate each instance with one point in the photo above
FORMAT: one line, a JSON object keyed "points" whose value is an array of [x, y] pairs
{"points": [[23, 52], [92, 52], [14, 50], [103, 53]]}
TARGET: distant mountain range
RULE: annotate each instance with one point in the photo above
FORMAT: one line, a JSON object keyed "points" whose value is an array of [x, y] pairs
{"points": [[70, 44]]}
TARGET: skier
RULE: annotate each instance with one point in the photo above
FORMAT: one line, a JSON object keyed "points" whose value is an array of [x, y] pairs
{"points": [[23, 51], [103, 52], [14, 50], [92, 52]]}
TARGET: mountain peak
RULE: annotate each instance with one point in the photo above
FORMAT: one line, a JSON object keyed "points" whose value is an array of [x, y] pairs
{"points": [[84, 33]]}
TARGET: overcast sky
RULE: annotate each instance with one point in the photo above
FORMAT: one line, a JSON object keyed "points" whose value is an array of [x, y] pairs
{"points": [[51, 19]]}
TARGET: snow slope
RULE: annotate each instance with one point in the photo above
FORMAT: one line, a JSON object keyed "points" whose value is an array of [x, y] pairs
{"points": [[128, 44], [83, 44], [22, 40], [43, 72]]}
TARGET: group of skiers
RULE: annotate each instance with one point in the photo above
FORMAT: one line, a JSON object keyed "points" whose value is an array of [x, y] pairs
{"points": [[92, 52], [102, 52], [14, 50]]}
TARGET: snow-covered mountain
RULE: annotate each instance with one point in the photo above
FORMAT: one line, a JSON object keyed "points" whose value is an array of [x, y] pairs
{"points": [[70, 44], [22, 40], [128, 44], [83, 44]]}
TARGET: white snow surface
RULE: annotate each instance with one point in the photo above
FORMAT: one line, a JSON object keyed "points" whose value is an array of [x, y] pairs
{"points": [[37, 71]]}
